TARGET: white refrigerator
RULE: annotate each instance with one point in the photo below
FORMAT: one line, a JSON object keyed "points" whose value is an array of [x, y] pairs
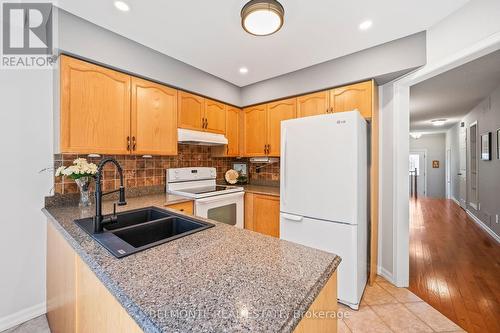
{"points": [[324, 192]]}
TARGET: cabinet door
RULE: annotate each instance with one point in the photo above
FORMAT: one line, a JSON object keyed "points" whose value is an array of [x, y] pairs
{"points": [[355, 96], [232, 131], [277, 112], [95, 108], [61, 283], [215, 117], [255, 130], [266, 215], [191, 110], [154, 118], [313, 104]]}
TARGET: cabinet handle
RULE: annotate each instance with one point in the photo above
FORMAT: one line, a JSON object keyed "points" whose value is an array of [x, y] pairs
{"points": [[128, 143], [133, 143], [268, 149], [331, 110], [206, 123]]}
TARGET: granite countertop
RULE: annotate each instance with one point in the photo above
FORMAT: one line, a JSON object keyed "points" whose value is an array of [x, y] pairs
{"points": [[222, 279], [262, 189]]}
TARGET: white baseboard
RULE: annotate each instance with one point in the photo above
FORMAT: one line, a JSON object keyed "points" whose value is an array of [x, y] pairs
{"points": [[385, 274], [483, 226], [22, 316], [455, 200]]}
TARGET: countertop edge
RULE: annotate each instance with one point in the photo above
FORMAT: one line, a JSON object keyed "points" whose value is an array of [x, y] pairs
{"points": [[294, 321], [135, 312]]}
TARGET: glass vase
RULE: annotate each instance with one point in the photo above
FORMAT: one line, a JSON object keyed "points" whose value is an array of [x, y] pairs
{"points": [[84, 187]]}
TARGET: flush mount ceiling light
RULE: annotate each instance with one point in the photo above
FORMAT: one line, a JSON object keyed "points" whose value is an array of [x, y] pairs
{"points": [[365, 25], [243, 70], [120, 5], [416, 135], [438, 122], [262, 17]]}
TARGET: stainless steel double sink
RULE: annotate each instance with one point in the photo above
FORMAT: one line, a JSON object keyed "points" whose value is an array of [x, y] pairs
{"points": [[140, 229]]}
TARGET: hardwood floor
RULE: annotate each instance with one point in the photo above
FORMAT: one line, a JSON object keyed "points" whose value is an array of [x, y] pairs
{"points": [[454, 265]]}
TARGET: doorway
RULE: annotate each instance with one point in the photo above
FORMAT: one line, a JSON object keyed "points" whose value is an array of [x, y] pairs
{"points": [[462, 171], [418, 174]]}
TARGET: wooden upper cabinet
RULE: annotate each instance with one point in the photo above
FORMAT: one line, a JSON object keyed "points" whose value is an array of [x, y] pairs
{"points": [[313, 104], [215, 117], [355, 96], [154, 118], [95, 108], [255, 130], [232, 131], [191, 111], [276, 113]]}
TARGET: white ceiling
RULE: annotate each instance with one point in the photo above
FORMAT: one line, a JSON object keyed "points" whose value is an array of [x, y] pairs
{"points": [[453, 94], [207, 33]]}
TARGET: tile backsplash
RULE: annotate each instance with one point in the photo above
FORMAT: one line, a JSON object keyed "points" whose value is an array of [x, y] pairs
{"points": [[140, 172]]}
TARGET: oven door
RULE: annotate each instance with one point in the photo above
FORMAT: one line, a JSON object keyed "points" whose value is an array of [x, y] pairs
{"points": [[225, 208]]}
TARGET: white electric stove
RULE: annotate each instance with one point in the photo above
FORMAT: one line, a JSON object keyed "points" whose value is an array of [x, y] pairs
{"points": [[216, 202]]}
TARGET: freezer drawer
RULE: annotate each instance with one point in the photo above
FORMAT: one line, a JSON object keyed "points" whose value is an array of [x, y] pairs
{"points": [[341, 239]]}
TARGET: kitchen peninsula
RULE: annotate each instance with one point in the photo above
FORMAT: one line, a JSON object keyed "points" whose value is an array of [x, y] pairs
{"points": [[220, 279]]}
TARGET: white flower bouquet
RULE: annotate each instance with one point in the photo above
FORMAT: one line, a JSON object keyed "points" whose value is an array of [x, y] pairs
{"points": [[80, 168]]}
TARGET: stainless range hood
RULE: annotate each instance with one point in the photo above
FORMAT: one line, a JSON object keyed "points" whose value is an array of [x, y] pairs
{"points": [[200, 138]]}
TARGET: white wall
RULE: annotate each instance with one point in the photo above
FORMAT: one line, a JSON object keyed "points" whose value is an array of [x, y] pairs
{"points": [[452, 143], [26, 137], [84, 39], [487, 115], [435, 145], [466, 34], [395, 57]]}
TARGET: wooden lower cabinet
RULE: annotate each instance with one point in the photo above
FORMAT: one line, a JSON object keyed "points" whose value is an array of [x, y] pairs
{"points": [[184, 207], [324, 305], [61, 283], [96, 309], [76, 300], [262, 214]]}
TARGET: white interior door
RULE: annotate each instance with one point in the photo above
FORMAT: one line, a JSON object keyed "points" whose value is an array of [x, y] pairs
{"points": [[418, 162], [448, 174], [462, 171]]}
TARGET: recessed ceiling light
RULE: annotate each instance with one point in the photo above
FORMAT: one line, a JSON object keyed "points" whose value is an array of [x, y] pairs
{"points": [[120, 5], [438, 122], [365, 25], [243, 70], [262, 17]]}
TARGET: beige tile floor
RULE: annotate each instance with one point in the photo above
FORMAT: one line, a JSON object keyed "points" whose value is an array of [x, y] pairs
{"points": [[35, 325], [386, 308]]}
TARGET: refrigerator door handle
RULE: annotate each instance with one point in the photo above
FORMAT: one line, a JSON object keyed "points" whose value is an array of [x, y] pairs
{"points": [[293, 218]]}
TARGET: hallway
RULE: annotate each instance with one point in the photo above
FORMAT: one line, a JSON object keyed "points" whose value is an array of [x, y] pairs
{"points": [[454, 265]]}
